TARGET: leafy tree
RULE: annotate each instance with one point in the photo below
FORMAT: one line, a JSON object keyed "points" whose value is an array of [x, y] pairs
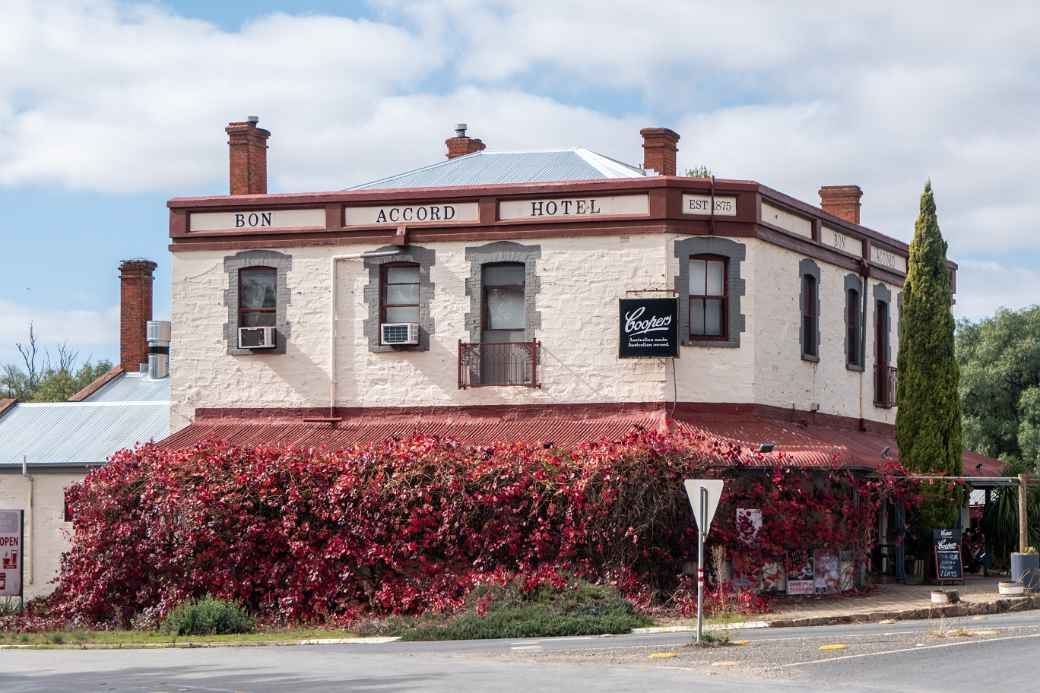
{"points": [[39, 379], [999, 359], [928, 423]]}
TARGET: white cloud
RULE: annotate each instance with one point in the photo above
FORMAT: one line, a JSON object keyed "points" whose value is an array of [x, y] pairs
{"points": [[983, 286], [114, 97], [93, 333]]}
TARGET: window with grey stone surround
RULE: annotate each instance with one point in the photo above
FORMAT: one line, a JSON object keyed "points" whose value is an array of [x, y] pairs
{"points": [[734, 254], [499, 252], [883, 295], [424, 258], [809, 301], [233, 264], [853, 322]]}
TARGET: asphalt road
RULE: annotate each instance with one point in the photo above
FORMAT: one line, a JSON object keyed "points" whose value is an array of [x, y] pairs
{"points": [[991, 654]]}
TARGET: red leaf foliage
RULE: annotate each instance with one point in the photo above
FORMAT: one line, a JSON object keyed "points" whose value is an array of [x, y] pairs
{"points": [[410, 526]]}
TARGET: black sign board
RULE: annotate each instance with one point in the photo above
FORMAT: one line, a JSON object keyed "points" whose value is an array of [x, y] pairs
{"points": [[946, 544], [648, 328]]}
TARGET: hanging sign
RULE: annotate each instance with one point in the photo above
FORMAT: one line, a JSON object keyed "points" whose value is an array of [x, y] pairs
{"points": [[648, 328], [946, 545], [10, 553]]}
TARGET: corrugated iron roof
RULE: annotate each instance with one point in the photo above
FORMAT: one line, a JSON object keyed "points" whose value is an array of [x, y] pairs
{"points": [[489, 168], [797, 444], [78, 433], [132, 387]]}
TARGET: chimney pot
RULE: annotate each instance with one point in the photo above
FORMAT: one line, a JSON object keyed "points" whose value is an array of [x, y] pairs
{"points": [[461, 145], [843, 201], [247, 157], [135, 310], [660, 146]]}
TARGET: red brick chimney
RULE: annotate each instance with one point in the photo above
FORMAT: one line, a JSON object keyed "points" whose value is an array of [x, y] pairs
{"points": [[659, 150], [247, 145], [841, 201], [135, 309], [460, 145]]}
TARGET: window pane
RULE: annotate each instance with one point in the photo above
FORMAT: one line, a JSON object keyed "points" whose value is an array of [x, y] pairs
{"points": [[809, 335], [713, 317], [250, 319], [715, 273], [505, 308], [401, 293], [697, 316], [402, 275], [697, 281], [402, 314], [503, 275], [257, 288]]}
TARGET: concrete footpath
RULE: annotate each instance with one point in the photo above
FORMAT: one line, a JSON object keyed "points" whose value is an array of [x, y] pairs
{"points": [[895, 602]]}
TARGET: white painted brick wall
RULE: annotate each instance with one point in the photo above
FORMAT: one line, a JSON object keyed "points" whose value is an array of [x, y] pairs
{"points": [[582, 279]]}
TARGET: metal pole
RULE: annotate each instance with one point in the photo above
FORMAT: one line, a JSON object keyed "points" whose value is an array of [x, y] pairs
{"points": [[700, 561], [1023, 526]]}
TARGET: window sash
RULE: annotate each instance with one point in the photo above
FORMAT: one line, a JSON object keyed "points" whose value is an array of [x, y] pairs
{"points": [[809, 317], [257, 296], [399, 293], [852, 312], [708, 304]]}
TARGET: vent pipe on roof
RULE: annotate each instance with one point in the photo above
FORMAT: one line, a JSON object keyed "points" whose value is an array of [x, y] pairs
{"points": [[158, 349]]}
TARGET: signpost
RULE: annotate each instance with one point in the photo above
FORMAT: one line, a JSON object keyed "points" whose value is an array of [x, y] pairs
{"points": [[704, 499], [11, 544], [946, 544]]}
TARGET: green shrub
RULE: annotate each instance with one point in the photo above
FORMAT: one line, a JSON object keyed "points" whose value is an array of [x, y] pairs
{"points": [[580, 608], [207, 616]]}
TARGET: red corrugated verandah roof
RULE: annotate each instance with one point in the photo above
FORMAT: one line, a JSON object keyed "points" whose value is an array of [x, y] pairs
{"points": [[799, 441]]}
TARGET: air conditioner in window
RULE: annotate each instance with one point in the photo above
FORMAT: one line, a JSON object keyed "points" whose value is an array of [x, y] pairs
{"points": [[399, 333], [256, 338]]}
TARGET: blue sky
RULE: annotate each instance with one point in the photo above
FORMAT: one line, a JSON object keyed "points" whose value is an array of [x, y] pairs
{"points": [[109, 108]]}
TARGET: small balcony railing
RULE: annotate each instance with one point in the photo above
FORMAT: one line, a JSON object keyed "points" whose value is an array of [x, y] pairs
{"points": [[483, 364], [885, 378]]}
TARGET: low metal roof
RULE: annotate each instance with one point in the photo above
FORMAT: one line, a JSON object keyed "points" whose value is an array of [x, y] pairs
{"points": [[78, 433], [132, 387], [490, 168]]}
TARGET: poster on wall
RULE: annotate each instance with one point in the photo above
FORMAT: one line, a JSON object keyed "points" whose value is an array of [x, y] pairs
{"points": [[827, 571], [749, 522], [10, 553], [800, 573], [648, 328]]}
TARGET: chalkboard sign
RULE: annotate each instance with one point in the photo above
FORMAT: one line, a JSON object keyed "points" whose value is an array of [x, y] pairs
{"points": [[648, 328], [946, 543]]}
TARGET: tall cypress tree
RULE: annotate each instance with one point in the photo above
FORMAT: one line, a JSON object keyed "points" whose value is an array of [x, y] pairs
{"points": [[928, 422]]}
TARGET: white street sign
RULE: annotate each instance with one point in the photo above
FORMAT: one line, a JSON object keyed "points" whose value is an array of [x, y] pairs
{"points": [[693, 490]]}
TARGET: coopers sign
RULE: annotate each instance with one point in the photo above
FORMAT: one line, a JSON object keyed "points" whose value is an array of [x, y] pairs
{"points": [[648, 328]]}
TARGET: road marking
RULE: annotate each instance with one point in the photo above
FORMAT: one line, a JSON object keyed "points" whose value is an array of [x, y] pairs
{"points": [[725, 663], [887, 621], [918, 648], [664, 655], [833, 646], [740, 642], [526, 647]]}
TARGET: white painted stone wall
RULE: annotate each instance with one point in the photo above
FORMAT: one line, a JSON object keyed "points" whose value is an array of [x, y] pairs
{"points": [[582, 279], [581, 282], [46, 532], [782, 378]]}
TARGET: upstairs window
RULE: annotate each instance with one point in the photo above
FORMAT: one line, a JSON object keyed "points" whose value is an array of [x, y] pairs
{"points": [[257, 296], [853, 322], [708, 297], [504, 310], [810, 318], [400, 294]]}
